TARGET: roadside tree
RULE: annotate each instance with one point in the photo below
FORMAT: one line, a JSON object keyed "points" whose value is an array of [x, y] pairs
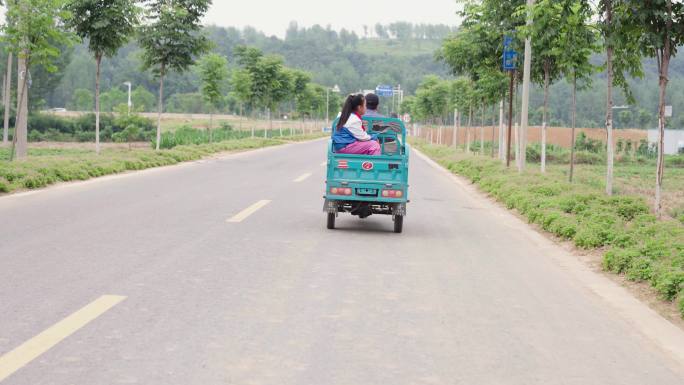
{"points": [[33, 32], [171, 38], [213, 71], [106, 25]]}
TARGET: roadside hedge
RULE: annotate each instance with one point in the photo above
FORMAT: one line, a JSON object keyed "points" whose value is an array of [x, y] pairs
{"points": [[635, 243], [48, 127]]}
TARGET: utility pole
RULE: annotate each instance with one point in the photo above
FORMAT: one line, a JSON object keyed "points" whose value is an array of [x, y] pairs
{"points": [[21, 124], [510, 120], [526, 90], [501, 133], [454, 141], [8, 98]]}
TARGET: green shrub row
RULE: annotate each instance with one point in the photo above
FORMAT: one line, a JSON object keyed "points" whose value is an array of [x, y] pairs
{"points": [[47, 127], [43, 168], [635, 243], [187, 135]]}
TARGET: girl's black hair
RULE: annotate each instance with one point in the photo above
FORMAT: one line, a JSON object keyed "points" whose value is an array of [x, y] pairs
{"points": [[350, 105]]}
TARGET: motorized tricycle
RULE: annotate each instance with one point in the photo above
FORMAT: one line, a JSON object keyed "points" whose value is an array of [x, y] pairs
{"points": [[363, 185]]}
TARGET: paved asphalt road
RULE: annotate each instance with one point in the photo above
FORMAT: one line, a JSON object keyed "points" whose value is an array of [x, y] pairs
{"points": [[466, 295]]}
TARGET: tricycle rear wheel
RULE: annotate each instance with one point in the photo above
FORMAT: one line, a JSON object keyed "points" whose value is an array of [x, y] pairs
{"points": [[331, 220], [398, 223]]}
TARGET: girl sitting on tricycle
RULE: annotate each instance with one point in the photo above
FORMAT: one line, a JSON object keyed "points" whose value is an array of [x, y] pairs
{"points": [[350, 137]]}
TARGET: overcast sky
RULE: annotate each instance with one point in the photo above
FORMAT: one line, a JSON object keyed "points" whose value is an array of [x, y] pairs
{"points": [[273, 16]]}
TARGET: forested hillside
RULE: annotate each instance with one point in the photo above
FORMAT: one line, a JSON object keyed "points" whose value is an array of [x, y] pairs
{"points": [[400, 53], [332, 57]]}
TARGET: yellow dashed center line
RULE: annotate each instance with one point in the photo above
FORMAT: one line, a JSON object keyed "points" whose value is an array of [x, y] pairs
{"points": [[33, 348], [242, 215], [302, 177]]}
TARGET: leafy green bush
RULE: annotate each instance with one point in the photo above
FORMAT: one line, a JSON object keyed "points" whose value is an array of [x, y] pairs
{"points": [[187, 135], [584, 143], [674, 161], [48, 127]]}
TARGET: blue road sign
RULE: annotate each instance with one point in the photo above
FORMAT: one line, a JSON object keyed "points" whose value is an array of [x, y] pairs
{"points": [[384, 90], [510, 56]]}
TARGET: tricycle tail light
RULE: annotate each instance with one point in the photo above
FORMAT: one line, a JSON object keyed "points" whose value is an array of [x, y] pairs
{"points": [[347, 191], [333, 190]]}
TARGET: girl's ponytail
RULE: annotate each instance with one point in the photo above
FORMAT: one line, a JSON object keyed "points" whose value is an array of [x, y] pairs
{"points": [[350, 105]]}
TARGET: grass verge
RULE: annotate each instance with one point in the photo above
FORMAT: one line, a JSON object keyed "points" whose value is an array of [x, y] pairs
{"points": [[633, 241], [46, 166]]}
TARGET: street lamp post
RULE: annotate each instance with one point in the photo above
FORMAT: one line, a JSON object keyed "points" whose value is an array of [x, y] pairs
{"points": [[129, 97], [335, 89]]}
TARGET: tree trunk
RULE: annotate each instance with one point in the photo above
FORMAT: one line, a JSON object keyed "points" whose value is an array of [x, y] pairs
{"points": [[482, 123], [161, 104], [547, 76], [609, 102], [254, 122], [8, 98], [517, 145], [501, 131], [664, 72], [270, 122], [240, 120], [454, 140], [572, 140], [470, 121], [493, 133], [20, 139], [211, 124], [98, 62]]}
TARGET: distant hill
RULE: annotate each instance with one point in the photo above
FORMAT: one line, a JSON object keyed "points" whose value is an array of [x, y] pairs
{"points": [[332, 57]]}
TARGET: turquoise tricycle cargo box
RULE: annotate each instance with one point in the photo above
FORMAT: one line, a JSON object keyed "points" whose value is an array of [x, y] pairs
{"points": [[362, 184]]}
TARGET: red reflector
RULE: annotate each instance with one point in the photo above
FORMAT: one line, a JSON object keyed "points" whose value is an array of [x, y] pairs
{"points": [[342, 164], [347, 191], [333, 190], [392, 193]]}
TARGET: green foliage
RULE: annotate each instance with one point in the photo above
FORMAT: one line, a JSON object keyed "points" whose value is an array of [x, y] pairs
{"points": [[35, 30], [142, 99], [170, 37], [83, 100], [107, 25], [111, 99], [213, 69], [46, 127], [130, 134], [576, 40], [263, 81], [583, 142], [188, 135]]}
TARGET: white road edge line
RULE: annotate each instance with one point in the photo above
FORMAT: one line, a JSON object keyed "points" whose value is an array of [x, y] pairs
{"points": [[302, 177], [242, 215], [645, 320], [28, 351]]}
